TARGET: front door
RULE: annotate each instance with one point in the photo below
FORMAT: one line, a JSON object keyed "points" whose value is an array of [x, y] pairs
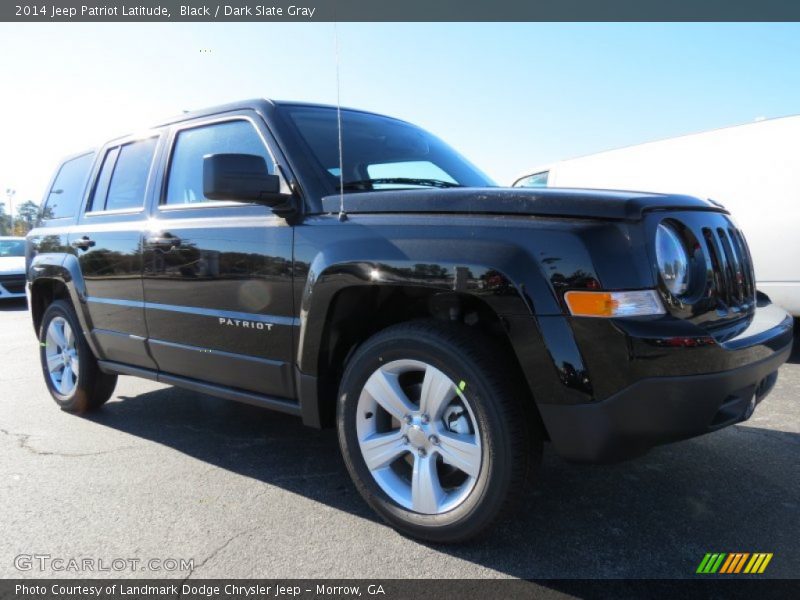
{"points": [[218, 275], [107, 242]]}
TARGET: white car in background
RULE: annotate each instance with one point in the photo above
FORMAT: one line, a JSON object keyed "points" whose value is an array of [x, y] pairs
{"points": [[12, 267], [753, 170]]}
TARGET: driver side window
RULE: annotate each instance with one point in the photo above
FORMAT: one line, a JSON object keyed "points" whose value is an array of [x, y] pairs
{"points": [[185, 179]]}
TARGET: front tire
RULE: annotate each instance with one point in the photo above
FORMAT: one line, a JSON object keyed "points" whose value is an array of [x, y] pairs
{"points": [[433, 430], [70, 370]]}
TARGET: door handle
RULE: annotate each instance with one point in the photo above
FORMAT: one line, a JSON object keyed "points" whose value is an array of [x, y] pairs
{"points": [[83, 243], [164, 241]]}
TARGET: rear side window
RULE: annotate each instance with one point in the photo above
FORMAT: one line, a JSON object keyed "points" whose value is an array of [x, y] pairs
{"points": [[122, 182], [185, 181], [65, 196], [101, 187]]}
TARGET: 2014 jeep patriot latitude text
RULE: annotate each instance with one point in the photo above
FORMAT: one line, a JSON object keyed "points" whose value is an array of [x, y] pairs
{"points": [[446, 326]]}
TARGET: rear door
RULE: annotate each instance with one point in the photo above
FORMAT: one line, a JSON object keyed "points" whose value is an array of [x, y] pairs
{"points": [[218, 275], [108, 243]]}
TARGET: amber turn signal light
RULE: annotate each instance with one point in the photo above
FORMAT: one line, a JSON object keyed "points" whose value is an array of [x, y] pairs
{"points": [[614, 304]]}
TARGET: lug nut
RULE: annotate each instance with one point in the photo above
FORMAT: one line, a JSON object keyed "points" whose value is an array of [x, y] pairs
{"points": [[422, 452], [425, 418], [409, 419], [434, 440], [405, 439]]}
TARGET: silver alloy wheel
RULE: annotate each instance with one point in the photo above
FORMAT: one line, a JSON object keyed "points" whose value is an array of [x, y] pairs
{"points": [[418, 436], [61, 353]]}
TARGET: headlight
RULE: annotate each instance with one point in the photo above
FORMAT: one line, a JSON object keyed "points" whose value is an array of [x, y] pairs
{"points": [[672, 259]]}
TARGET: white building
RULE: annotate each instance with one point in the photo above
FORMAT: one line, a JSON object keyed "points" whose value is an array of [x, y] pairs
{"points": [[753, 170]]}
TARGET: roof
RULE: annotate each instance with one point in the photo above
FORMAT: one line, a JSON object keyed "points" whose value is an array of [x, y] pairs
{"points": [[253, 104]]}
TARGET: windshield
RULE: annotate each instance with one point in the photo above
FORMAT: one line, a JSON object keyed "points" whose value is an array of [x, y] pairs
{"points": [[12, 248], [379, 152]]}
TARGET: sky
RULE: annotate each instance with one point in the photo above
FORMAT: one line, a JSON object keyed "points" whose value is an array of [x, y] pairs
{"points": [[508, 96]]}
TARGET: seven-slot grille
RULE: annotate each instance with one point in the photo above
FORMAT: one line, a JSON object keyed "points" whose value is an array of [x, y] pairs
{"points": [[734, 278]]}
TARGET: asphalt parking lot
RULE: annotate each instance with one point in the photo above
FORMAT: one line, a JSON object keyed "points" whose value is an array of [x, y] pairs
{"points": [[164, 473]]}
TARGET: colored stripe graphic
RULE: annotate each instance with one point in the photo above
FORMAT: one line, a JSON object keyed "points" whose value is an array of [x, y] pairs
{"points": [[711, 562], [755, 562], [765, 563], [734, 562], [740, 562], [758, 563], [703, 563], [717, 564], [727, 564]]}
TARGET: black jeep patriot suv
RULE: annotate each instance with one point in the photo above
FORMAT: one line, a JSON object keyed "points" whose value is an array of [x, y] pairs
{"points": [[446, 326]]}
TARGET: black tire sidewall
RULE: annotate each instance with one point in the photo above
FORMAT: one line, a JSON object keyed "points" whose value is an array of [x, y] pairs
{"points": [[490, 489]]}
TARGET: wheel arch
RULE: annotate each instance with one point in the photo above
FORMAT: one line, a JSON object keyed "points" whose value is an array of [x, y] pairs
{"points": [[58, 277], [346, 303]]}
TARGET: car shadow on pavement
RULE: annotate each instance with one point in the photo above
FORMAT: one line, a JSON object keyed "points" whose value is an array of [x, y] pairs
{"points": [[734, 490], [254, 442], [14, 305]]}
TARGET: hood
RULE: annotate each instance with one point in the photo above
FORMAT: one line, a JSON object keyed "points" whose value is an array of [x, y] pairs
{"points": [[546, 202], [12, 265]]}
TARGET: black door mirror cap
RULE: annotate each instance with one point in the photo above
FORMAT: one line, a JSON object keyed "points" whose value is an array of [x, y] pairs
{"points": [[241, 178]]}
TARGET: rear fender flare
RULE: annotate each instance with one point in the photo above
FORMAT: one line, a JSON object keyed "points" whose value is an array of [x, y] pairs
{"points": [[65, 269]]}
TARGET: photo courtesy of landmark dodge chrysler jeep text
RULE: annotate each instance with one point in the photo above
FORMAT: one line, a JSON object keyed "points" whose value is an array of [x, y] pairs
{"points": [[446, 326]]}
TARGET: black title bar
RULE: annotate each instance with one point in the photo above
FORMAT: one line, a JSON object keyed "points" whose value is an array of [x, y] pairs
{"points": [[400, 10], [392, 589]]}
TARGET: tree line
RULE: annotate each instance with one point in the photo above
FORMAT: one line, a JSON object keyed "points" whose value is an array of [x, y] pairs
{"points": [[22, 222]]}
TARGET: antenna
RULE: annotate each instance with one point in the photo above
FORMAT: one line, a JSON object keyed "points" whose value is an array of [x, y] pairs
{"points": [[342, 214]]}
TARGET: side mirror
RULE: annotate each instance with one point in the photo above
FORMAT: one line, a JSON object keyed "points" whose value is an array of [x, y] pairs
{"points": [[241, 178]]}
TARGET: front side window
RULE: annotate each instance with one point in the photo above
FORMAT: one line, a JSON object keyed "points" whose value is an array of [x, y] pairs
{"points": [[379, 152], [122, 182], [66, 193], [185, 180]]}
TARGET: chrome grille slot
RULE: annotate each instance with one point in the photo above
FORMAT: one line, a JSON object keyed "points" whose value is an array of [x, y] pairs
{"points": [[718, 265], [735, 279], [746, 262]]}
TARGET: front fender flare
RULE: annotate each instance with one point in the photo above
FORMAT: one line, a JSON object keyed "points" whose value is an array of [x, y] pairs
{"points": [[336, 269]]}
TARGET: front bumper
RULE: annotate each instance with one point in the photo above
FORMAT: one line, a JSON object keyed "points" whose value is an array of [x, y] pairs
{"points": [[674, 405], [12, 286]]}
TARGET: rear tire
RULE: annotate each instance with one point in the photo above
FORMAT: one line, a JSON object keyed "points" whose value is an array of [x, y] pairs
{"points": [[445, 476], [70, 370]]}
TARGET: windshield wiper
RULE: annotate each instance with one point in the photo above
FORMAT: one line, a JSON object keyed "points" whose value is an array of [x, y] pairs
{"points": [[366, 184]]}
